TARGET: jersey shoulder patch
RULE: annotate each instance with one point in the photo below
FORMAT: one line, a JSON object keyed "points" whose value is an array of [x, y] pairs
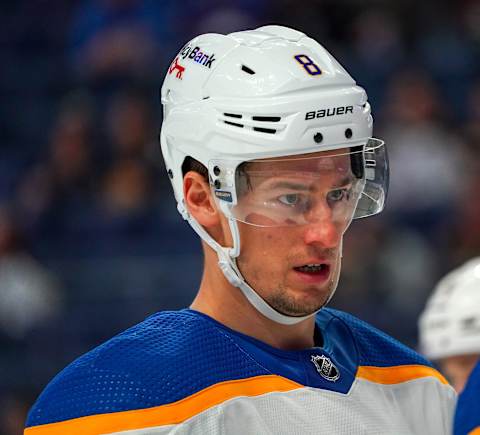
{"points": [[167, 357]]}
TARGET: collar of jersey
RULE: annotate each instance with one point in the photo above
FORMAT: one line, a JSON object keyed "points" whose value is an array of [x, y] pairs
{"points": [[323, 320]]}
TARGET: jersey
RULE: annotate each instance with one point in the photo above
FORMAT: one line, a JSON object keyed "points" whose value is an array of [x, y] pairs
{"points": [[183, 372], [467, 416]]}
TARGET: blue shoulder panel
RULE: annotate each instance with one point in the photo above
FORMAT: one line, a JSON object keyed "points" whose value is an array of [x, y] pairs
{"points": [[375, 348], [169, 356], [467, 416]]}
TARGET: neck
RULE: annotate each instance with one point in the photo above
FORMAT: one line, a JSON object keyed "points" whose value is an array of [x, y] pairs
{"points": [[225, 303]]}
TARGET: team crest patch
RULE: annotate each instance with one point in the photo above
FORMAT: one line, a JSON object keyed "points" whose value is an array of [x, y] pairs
{"points": [[325, 367]]}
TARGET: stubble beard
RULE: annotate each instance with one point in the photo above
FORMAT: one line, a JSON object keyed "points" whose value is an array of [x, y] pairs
{"points": [[288, 304], [285, 299]]}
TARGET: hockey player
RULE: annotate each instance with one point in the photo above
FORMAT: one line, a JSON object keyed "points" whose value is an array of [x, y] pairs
{"points": [[268, 144], [450, 324], [467, 415]]}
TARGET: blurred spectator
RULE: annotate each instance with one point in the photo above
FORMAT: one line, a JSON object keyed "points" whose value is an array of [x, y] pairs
{"points": [[425, 156], [120, 213], [126, 189], [64, 178], [130, 128], [29, 295]]}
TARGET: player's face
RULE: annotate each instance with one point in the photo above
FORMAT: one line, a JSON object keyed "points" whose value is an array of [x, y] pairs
{"points": [[295, 267], [457, 369]]}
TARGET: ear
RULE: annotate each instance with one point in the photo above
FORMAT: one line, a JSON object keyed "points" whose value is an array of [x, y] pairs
{"points": [[199, 200]]}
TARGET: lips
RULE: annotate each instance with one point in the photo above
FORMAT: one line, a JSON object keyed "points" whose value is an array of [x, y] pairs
{"points": [[313, 272], [312, 268]]}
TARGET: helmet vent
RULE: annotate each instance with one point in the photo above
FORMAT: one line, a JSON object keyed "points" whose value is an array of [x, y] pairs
{"points": [[266, 118], [233, 123], [265, 130], [256, 123], [248, 70]]}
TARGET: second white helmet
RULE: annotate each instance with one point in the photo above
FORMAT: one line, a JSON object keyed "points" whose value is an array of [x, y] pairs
{"points": [[450, 323]]}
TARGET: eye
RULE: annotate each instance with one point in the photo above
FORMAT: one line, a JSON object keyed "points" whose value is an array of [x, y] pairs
{"points": [[289, 199], [338, 195]]}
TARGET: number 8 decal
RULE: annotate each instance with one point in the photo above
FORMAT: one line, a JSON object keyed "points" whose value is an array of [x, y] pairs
{"points": [[308, 64]]}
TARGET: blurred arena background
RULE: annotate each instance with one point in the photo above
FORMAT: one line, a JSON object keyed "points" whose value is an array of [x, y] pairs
{"points": [[90, 240]]}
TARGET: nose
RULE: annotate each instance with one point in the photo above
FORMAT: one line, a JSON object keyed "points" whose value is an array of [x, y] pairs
{"points": [[321, 228], [325, 233]]}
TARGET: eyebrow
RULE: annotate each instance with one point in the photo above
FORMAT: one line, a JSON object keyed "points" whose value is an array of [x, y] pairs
{"points": [[282, 184], [289, 185], [344, 182]]}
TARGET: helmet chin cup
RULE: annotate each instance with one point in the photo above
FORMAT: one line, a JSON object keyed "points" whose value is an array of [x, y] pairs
{"points": [[229, 273]]}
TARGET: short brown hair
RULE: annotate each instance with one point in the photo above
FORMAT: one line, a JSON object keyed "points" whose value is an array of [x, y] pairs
{"points": [[190, 164]]}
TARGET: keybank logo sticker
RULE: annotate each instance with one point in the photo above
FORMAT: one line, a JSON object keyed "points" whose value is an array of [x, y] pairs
{"points": [[198, 55]]}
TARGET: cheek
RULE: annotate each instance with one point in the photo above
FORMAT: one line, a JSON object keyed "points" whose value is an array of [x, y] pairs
{"points": [[263, 251], [271, 242]]}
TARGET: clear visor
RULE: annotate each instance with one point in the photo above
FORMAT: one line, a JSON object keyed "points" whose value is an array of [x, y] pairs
{"points": [[336, 185]]}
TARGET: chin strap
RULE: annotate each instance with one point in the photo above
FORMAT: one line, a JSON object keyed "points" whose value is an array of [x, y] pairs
{"points": [[233, 275], [228, 265]]}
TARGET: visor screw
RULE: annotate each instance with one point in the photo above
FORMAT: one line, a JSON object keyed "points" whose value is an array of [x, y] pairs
{"points": [[348, 133], [216, 170], [170, 173], [217, 184], [318, 137]]}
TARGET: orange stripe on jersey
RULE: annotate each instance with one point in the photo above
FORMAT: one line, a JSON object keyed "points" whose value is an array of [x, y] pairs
{"points": [[398, 374], [475, 431], [172, 413]]}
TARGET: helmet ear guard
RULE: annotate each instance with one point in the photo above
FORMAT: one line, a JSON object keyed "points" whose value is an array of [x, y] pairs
{"points": [[224, 104]]}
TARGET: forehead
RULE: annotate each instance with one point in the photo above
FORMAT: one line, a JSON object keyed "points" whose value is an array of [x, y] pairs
{"points": [[337, 161]]}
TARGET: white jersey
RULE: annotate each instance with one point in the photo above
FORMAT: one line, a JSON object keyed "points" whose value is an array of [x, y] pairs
{"points": [[184, 373]]}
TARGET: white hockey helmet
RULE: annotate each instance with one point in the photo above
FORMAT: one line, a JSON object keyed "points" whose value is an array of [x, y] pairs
{"points": [[450, 323], [256, 95]]}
